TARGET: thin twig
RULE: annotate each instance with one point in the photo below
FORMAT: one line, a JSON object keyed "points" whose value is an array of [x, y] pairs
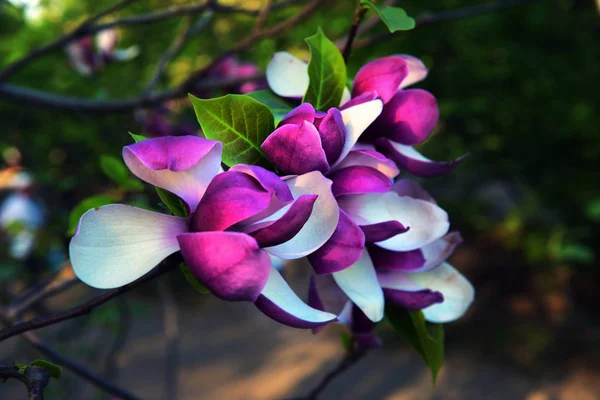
{"points": [[262, 16], [451, 15], [88, 306], [34, 378], [111, 359], [171, 329], [176, 46], [77, 368], [359, 14]]}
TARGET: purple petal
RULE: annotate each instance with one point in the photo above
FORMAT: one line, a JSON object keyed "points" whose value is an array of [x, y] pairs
{"points": [[304, 112], [396, 260], [288, 226], [370, 158], [414, 162], [296, 149], [360, 322], [230, 264], [383, 75], [360, 99], [279, 302], [409, 117], [407, 187], [367, 341], [231, 197], [382, 231], [343, 248], [267, 179], [417, 71], [117, 244], [333, 134], [413, 300], [359, 179], [438, 252], [183, 165]]}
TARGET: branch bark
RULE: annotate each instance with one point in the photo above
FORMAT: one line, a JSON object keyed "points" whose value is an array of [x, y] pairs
{"points": [[34, 378]]}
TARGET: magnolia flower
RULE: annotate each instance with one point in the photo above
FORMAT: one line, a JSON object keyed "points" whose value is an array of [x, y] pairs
{"points": [[87, 59], [231, 67], [237, 218], [408, 116]]}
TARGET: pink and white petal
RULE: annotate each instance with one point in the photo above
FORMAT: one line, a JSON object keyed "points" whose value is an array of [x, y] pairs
{"points": [[117, 244], [369, 158], [230, 264], [363, 98], [410, 188], [344, 248], [457, 291], [346, 96], [304, 112], [427, 221], [438, 251], [287, 75], [231, 197], [285, 228], [414, 162], [278, 301], [322, 222], [357, 119], [408, 118], [296, 149], [382, 75], [417, 71], [267, 179], [183, 165], [359, 282], [359, 179], [382, 231]]}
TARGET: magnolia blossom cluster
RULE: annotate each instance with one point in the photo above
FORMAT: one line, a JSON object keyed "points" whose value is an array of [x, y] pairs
{"points": [[372, 238]]}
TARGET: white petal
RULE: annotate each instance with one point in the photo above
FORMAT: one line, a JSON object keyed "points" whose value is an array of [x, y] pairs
{"points": [[287, 75], [417, 71], [356, 157], [410, 152], [359, 282], [346, 96], [357, 119], [117, 244], [322, 222], [285, 306], [427, 221], [457, 290]]}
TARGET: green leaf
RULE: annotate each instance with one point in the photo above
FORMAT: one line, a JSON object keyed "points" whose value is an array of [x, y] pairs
{"points": [[394, 17], [426, 339], [278, 106], [240, 122], [326, 72], [21, 367], [192, 279], [137, 138], [54, 370], [113, 168], [83, 206], [173, 203]]}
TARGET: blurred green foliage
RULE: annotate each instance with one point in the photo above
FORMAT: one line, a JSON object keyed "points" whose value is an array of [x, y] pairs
{"points": [[516, 89]]}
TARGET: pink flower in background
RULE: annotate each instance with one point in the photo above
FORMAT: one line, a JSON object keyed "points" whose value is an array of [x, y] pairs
{"points": [[237, 218]]}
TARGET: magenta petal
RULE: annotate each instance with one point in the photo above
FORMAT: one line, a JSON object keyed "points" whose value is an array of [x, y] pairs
{"points": [[359, 179], [414, 162], [230, 264], [383, 75], [343, 248], [333, 134], [370, 158], [382, 231], [396, 260], [417, 71], [407, 187], [413, 300], [304, 112], [363, 98], [296, 149], [183, 165], [230, 198], [267, 179], [409, 117], [286, 227]]}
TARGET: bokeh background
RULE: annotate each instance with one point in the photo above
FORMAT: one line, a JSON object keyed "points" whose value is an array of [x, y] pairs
{"points": [[517, 88]]}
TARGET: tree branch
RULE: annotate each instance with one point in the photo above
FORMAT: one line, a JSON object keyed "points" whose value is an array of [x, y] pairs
{"points": [[88, 306], [34, 378], [262, 16], [171, 330], [359, 14]]}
